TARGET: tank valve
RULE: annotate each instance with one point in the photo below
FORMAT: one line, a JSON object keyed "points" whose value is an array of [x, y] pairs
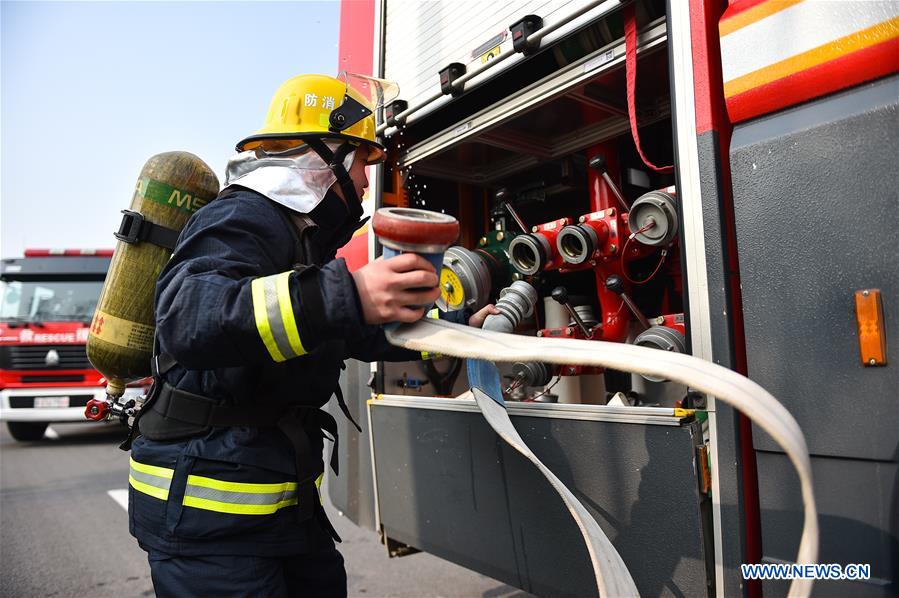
{"points": [[110, 408], [97, 410], [616, 285]]}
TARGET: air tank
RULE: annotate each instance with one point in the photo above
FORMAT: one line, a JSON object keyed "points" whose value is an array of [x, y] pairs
{"points": [[170, 188]]}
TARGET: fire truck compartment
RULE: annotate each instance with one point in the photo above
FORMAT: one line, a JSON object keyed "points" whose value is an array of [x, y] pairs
{"points": [[575, 107], [448, 485]]}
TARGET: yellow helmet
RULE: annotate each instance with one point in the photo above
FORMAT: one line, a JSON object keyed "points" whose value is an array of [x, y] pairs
{"points": [[321, 107]]}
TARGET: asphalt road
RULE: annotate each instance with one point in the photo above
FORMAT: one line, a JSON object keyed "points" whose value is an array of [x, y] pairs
{"points": [[64, 529]]}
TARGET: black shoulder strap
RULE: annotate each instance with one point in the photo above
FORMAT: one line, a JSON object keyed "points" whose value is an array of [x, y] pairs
{"points": [[304, 253], [298, 249]]}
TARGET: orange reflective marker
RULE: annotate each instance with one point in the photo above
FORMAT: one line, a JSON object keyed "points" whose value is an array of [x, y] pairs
{"points": [[872, 340]]}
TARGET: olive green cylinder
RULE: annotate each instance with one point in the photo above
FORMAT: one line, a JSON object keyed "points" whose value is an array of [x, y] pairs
{"points": [[170, 188]]}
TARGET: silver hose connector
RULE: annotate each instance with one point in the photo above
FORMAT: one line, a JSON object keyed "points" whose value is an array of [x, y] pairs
{"points": [[663, 338], [529, 253], [577, 243], [464, 280], [660, 209], [532, 373], [516, 302]]}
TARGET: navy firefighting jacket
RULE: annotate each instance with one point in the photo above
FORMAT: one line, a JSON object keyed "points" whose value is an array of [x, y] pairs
{"points": [[249, 322]]}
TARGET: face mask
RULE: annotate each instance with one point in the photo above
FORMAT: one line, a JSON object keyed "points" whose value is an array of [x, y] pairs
{"points": [[336, 221]]}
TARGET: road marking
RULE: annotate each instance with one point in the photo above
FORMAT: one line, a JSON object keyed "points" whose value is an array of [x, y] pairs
{"points": [[120, 496], [51, 434]]}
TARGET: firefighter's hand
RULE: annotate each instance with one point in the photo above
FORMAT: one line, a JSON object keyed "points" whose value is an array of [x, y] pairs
{"points": [[389, 289], [477, 320]]}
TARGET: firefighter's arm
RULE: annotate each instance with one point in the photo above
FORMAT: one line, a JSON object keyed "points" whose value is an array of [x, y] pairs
{"points": [[297, 311], [355, 304], [222, 301], [225, 298], [378, 293]]}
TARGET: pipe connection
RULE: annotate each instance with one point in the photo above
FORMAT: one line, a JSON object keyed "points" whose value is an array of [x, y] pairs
{"points": [[516, 303], [537, 251]]}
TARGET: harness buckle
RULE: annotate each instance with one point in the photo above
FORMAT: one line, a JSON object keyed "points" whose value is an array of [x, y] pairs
{"points": [[130, 227]]}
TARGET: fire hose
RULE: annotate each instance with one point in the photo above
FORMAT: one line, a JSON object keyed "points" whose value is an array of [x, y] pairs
{"points": [[483, 347]]}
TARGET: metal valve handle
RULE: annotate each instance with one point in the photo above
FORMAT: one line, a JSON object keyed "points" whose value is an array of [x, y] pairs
{"points": [[598, 163], [616, 285], [560, 295]]}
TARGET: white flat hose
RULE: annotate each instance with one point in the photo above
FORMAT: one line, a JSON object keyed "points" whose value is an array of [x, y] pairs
{"points": [[612, 576]]}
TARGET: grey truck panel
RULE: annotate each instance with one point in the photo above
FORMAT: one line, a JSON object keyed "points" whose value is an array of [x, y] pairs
{"points": [[816, 201], [448, 485]]}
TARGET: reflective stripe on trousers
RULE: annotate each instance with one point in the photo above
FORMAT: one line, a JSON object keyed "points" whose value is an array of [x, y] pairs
{"points": [[210, 494]]}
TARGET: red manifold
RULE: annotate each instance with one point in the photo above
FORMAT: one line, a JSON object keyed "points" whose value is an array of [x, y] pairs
{"points": [[673, 321]]}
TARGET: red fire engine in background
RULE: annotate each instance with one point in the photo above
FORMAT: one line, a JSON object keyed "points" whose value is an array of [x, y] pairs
{"points": [[48, 300]]}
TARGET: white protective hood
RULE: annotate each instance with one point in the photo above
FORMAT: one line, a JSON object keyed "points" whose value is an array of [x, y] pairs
{"points": [[298, 182]]}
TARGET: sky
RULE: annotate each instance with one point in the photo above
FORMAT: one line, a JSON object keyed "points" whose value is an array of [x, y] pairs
{"points": [[90, 90]]}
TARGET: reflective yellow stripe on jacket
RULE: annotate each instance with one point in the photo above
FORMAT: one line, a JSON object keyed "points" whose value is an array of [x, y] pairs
{"points": [[275, 321], [210, 494]]}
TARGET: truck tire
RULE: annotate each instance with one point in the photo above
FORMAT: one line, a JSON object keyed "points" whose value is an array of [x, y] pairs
{"points": [[26, 431]]}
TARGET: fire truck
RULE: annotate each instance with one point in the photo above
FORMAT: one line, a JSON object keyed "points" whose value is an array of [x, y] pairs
{"points": [[47, 301], [701, 176]]}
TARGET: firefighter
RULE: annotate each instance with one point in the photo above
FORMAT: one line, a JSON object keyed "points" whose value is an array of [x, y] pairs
{"points": [[254, 319]]}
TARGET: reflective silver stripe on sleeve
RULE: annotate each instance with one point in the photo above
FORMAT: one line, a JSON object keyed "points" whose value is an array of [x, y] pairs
{"points": [[273, 310]]}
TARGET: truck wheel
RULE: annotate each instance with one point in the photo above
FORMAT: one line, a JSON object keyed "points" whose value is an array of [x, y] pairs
{"points": [[25, 431]]}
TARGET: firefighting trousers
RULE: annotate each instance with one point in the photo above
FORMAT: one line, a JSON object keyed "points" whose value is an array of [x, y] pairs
{"points": [[319, 574]]}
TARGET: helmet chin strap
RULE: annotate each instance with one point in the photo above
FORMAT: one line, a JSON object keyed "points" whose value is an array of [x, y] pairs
{"points": [[334, 160]]}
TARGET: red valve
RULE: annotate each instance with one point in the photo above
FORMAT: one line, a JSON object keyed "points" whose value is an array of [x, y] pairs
{"points": [[96, 410]]}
